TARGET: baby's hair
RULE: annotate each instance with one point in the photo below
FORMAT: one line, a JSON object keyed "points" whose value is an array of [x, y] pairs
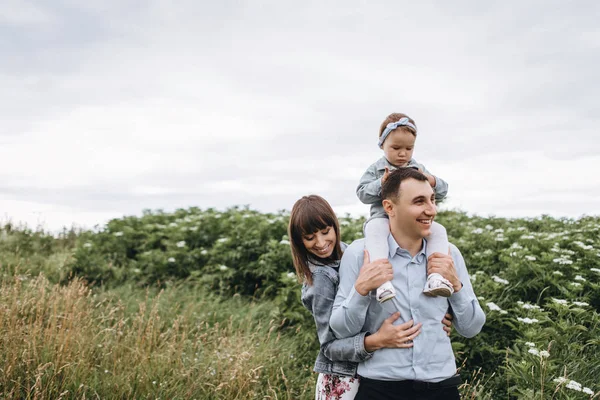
{"points": [[394, 117], [309, 215]]}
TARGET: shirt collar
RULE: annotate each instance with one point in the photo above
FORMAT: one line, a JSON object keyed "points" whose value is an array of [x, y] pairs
{"points": [[396, 249]]}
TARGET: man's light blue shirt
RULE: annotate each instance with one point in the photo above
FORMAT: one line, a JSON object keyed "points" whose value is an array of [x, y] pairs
{"points": [[431, 358]]}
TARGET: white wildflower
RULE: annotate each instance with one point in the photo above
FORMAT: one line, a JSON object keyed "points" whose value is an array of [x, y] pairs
{"points": [[489, 227], [499, 280], [477, 231], [574, 385], [118, 234], [560, 380], [530, 344], [530, 258], [500, 239], [87, 245], [527, 320], [587, 390], [222, 240], [173, 224], [595, 270], [580, 303], [560, 301], [535, 352], [499, 230], [580, 278], [204, 252], [291, 275], [527, 237], [563, 261], [181, 244], [171, 260], [283, 241], [106, 371], [521, 228], [576, 284], [544, 354], [488, 252], [493, 306], [223, 267], [530, 306], [558, 273], [516, 245], [513, 254]]}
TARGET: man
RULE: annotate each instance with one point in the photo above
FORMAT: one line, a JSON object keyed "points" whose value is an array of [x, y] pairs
{"points": [[424, 367]]}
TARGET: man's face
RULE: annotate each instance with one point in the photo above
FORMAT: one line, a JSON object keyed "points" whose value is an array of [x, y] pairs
{"points": [[413, 211]]}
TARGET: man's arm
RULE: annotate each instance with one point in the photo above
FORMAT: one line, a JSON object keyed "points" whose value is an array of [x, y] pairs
{"points": [[350, 307], [468, 315], [321, 300]]}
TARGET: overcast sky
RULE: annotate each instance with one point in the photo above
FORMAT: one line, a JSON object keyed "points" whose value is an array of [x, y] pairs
{"points": [[111, 107]]}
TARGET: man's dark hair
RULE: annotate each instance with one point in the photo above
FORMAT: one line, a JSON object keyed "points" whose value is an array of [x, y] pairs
{"points": [[390, 189]]}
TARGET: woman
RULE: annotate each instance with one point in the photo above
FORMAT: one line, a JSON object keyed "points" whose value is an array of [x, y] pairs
{"points": [[316, 250]]}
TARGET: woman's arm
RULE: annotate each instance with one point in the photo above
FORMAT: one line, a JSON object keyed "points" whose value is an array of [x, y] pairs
{"points": [[319, 297]]}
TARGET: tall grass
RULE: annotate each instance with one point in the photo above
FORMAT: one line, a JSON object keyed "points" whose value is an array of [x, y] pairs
{"points": [[179, 343]]}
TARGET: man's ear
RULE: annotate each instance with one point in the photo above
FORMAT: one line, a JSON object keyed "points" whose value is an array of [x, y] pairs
{"points": [[388, 206]]}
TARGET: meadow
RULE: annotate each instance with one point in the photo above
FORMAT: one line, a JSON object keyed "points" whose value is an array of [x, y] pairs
{"points": [[204, 304]]}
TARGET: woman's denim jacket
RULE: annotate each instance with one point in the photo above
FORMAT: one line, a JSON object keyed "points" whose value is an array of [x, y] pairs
{"points": [[336, 356]]}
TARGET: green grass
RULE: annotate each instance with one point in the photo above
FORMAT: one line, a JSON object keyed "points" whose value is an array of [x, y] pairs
{"points": [[200, 304]]}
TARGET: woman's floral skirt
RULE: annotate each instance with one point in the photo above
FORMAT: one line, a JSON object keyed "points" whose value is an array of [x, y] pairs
{"points": [[336, 387]]}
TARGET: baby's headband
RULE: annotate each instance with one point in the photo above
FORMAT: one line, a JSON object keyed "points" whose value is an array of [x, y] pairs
{"points": [[393, 125]]}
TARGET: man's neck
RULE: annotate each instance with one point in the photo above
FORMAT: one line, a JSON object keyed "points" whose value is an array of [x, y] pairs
{"points": [[411, 244]]}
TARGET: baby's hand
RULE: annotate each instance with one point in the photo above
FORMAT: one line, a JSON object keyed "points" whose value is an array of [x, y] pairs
{"points": [[385, 175]]}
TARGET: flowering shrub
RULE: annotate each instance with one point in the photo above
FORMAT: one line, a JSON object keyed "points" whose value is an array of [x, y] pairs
{"points": [[537, 280]]}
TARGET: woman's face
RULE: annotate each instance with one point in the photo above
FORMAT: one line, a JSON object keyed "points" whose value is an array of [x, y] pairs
{"points": [[320, 243]]}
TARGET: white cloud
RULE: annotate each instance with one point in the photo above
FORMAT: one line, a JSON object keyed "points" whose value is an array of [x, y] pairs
{"points": [[120, 107]]}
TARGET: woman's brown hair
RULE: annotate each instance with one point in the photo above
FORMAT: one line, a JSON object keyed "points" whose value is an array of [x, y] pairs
{"points": [[395, 117], [309, 215]]}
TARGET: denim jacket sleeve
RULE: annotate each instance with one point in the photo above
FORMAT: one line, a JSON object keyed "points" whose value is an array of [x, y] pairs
{"points": [[369, 187], [440, 188], [320, 297]]}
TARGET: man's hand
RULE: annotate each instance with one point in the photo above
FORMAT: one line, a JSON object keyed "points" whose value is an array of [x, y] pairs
{"points": [[443, 264], [393, 336], [373, 274]]}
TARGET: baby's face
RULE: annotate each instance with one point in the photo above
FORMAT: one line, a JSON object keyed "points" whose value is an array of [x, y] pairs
{"points": [[398, 147]]}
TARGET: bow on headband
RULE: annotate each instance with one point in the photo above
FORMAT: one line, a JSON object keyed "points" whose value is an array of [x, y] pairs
{"points": [[393, 125]]}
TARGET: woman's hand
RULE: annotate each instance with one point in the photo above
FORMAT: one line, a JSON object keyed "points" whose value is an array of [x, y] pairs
{"points": [[393, 336], [447, 321], [373, 274]]}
